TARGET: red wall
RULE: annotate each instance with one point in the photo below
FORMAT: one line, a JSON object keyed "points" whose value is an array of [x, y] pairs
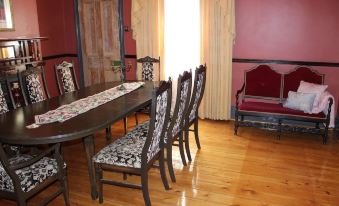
{"points": [[303, 30], [25, 19], [56, 21]]}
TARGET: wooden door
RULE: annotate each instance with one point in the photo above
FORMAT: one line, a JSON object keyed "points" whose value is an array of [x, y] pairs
{"points": [[99, 26]]}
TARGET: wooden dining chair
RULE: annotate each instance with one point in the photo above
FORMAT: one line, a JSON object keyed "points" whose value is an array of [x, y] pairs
{"points": [[33, 82], [136, 152], [6, 96], [191, 117], [147, 74], [24, 175], [65, 77], [176, 125]]}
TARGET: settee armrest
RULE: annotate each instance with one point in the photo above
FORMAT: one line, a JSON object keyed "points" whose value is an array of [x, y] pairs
{"points": [[328, 116], [238, 94]]}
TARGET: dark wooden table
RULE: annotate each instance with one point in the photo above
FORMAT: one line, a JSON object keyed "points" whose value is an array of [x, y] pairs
{"points": [[13, 124]]}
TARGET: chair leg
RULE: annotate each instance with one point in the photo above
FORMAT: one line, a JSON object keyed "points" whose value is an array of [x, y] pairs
{"points": [[21, 202], [187, 145], [162, 170], [144, 185], [279, 129], [169, 162], [108, 134], [136, 118], [196, 133], [64, 186], [125, 124], [181, 148], [98, 177]]}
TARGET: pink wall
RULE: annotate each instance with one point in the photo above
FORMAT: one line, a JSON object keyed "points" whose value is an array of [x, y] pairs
{"points": [[303, 30], [56, 21], [25, 19]]}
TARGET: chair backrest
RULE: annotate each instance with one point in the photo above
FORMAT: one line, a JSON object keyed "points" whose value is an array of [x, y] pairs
{"points": [[147, 70], [181, 105], [6, 96], [198, 93], [291, 80], [263, 82], [65, 77], [33, 82], [160, 111]]}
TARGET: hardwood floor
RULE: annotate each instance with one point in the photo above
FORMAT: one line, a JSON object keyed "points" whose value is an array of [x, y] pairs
{"points": [[252, 169]]}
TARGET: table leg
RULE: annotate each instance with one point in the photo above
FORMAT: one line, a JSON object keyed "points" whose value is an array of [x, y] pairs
{"points": [[89, 148]]}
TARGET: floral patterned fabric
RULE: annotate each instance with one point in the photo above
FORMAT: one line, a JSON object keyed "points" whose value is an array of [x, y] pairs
{"points": [[34, 87], [161, 108], [125, 151], [75, 108], [182, 102], [66, 76], [30, 176], [197, 97], [3, 103], [147, 71]]}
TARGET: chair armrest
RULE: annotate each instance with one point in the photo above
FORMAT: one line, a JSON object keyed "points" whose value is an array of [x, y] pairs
{"points": [[238, 94]]}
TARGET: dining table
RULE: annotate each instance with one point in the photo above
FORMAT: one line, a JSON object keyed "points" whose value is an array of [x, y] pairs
{"points": [[14, 128]]}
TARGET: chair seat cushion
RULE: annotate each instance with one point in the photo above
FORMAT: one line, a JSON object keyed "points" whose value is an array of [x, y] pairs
{"points": [[30, 176], [125, 151], [276, 109]]}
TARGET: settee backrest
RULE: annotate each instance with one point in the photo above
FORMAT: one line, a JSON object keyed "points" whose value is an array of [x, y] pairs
{"points": [[292, 79], [263, 82]]}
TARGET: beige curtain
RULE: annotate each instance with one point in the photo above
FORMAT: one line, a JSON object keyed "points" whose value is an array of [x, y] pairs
{"points": [[217, 37], [148, 26]]}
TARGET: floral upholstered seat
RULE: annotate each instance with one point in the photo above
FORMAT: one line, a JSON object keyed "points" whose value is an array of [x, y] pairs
{"points": [[125, 151], [34, 87], [30, 176]]}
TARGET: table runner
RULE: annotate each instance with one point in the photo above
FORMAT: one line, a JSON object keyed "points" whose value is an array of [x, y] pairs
{"points": [[68, 111]]}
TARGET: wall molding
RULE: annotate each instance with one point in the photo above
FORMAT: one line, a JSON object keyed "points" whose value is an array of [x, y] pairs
{"points": [[57, 56], [300, 63], [130, 56]]}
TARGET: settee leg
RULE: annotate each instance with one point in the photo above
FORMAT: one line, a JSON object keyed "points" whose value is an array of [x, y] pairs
{"points": [[279, 129], [236, 123]]}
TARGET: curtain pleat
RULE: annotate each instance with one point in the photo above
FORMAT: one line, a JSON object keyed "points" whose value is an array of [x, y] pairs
{"points": [[147, 26], [217, 37]]}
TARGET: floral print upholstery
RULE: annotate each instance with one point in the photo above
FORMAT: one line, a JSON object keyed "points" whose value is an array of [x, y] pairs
{"points": [[30, 176], [125, 151], [197, 97], [3, 103], [34, 87], [147, 71], [66, 76], [161, 108], [183, 98]]}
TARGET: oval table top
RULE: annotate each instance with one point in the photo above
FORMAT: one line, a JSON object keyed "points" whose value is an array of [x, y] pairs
{"points": [[13, 124]]}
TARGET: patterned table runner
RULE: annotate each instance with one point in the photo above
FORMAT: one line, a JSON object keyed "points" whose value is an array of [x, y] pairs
{"points": [[68, 111]]}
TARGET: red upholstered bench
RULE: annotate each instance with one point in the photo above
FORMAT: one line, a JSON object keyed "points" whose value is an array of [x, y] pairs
{"points": [[263, 93]]}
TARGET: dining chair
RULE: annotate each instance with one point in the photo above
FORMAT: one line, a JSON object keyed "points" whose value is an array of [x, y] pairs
{"points": [[191, 117], [65, 77], [147, 74], [176, 125], [136, 152], [33, 82], [6, 97], [24, 175]]}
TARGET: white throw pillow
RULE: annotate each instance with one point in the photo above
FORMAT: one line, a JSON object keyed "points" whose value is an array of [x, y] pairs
{"points": [[317, 89], [300, 101]]}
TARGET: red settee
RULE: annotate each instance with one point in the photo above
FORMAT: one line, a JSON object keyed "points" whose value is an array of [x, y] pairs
{"points": [[263, 93]]}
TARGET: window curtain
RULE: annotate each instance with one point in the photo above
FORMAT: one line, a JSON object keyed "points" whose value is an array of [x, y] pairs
{"points": [[217, 37], [148, 26]]}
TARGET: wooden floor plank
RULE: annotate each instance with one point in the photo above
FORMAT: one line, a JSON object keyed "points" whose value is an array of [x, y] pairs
{"points": [[252, 169]]}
